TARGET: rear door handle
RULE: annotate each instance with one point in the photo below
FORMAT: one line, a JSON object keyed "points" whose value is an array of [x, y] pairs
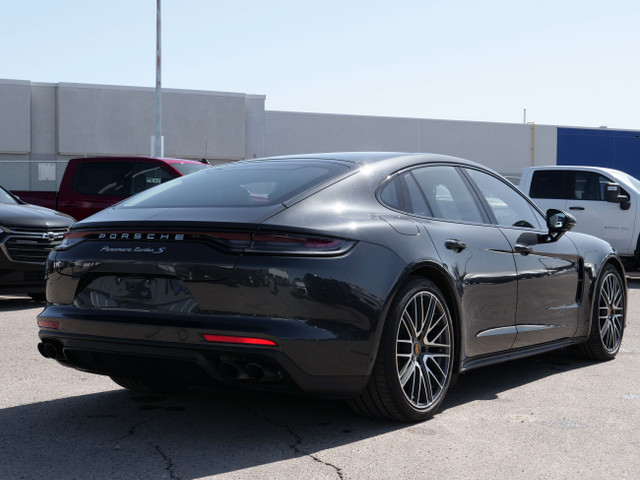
{"points": [[522, 249], [455, 244], [576, 208]]}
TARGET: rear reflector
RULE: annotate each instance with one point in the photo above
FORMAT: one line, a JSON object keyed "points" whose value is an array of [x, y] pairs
{"points": [[48, 324], [243, 340]]}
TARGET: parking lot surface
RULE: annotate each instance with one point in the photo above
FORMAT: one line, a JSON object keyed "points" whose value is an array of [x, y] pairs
{"points": [[545, 417]]}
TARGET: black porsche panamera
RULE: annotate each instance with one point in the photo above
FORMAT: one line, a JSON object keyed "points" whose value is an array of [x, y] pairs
{"points": [[369, 276]]}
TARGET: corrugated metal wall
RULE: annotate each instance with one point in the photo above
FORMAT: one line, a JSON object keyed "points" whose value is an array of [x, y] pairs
{"points": [[619, 149]]}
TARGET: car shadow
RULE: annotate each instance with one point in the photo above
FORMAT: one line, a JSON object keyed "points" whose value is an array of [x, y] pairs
{"points": [[9, 303], [487, 383], [206, 432]]}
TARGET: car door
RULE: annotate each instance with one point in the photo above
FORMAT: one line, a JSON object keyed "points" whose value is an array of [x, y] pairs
{"points": [[549, 287], [477, 255], [606, 220], [581, 193]]}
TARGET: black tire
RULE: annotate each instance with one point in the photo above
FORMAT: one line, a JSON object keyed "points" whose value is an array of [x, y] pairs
{"points": [[150, 385], [414, 364], [38, 297], [607, 318]]}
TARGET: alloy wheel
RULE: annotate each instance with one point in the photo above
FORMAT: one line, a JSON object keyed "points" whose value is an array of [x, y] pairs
{"points": [[424, 350], [611, 312]]}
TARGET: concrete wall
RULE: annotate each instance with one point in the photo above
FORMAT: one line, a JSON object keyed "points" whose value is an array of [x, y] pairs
{"points": [[15, 117], [42, 125], [507, 148]]}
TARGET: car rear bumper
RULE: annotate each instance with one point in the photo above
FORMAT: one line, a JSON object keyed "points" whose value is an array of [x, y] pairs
{"points": [[307, 358]]}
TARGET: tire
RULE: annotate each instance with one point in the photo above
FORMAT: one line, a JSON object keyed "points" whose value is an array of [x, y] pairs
{"points": [[607, 318], [149, 385], [38, 297], [414, 364]]}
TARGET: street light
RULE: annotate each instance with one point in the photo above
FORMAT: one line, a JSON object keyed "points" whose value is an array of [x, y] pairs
{"points": [[157, 145]]}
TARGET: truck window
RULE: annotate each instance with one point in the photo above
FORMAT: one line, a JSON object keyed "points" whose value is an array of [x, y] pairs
{"points": [[548, 184], [589, 186], [103, 178], [146, 175]]}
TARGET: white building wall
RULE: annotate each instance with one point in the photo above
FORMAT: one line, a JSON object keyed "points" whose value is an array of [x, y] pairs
{"points": [[504, 147], [42, 125], [15, 117]]}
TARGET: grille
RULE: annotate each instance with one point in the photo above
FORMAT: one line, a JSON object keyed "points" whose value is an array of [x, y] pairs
{"points": [[32, 245], [39, 231]]}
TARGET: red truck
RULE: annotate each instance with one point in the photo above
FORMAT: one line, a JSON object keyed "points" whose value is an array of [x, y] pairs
{"points": [[90, 184]]}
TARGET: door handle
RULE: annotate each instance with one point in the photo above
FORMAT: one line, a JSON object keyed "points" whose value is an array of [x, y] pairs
{"points": [[522, 249], [576, 208], [455, 244]]}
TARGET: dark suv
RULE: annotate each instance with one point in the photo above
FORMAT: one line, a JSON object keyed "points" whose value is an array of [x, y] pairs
{"points": [[27, 235]]}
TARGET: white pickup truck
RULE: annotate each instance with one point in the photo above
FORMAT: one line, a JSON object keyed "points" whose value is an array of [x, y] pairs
{"points": [[604, 201]]}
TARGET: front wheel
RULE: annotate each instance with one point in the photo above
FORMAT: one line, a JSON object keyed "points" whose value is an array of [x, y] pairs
{"points": [[414, 364], [608, 317]]}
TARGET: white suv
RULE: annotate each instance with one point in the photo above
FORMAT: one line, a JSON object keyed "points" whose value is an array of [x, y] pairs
{"points": [[604, 201]]}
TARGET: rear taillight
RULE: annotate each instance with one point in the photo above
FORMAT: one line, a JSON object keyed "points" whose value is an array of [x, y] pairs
{"points": [[239, 340], [233, 241], [70, 239], [48, 324], [291, 244]]}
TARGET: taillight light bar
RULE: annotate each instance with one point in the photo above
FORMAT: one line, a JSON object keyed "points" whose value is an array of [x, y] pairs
{"points": [[239, 340], [233, 241]]}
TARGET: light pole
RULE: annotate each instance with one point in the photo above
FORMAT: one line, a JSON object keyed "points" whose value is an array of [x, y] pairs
{"points": [[157, 149]]}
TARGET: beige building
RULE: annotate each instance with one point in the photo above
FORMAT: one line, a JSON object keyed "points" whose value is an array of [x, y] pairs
{"points": [[42, 125]]}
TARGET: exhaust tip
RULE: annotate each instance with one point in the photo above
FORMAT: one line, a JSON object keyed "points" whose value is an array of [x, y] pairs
{"points": [[50, 350], [254, 371]]}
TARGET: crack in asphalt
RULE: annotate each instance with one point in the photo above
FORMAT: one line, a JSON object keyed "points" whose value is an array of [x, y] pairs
{"points": [[132, 430], [169, 468], [296, 446]]}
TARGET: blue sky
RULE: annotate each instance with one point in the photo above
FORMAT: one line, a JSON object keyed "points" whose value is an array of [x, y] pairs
{"points": [[573, 63]]}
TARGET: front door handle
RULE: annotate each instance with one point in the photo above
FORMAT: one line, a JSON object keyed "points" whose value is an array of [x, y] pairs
{"points": [[576, 208], [522, 249], [455, 245]]}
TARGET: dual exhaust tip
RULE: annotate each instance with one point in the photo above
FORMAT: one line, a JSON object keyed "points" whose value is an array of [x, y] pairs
{"points": [[231, 369], [238, 370], [51, 350]]}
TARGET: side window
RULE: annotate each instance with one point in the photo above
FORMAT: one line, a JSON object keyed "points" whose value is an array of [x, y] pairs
{"points": [[390, 194], [548, 184], [446, 193], [147, 175], [508, 206], [589, 186], [102, 178]]}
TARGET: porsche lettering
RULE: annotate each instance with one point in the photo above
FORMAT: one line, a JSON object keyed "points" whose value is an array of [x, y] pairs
{"points": [[141, 236]]}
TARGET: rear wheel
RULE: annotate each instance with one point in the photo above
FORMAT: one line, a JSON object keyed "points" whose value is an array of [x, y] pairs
{"points": [[414, 364], [150, 385], [608, 317]]}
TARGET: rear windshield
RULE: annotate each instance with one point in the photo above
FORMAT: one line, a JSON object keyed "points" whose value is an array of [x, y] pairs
{"points": [[240, 185]]}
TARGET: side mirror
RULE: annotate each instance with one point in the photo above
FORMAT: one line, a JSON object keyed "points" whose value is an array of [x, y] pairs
{"points": [[559, 222], [612, 194]]}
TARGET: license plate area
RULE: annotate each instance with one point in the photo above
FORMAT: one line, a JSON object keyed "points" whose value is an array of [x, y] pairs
{"points": [[138, 293]]}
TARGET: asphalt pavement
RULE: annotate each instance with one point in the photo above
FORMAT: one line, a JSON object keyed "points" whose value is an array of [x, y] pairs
{"points": [[546, 417]]}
